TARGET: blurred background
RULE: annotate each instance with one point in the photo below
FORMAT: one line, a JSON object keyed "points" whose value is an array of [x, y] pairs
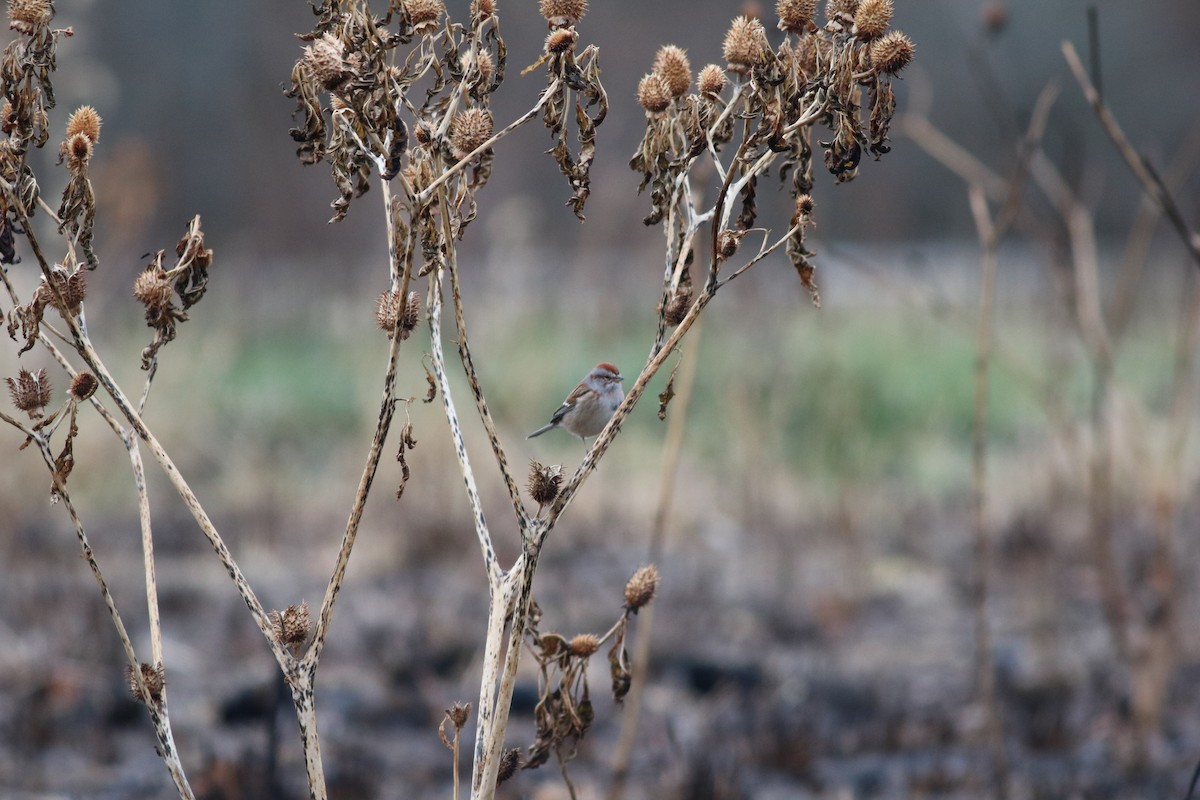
{"points": [[815, 629]]}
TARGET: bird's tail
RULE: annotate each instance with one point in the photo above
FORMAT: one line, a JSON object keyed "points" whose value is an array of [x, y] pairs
{"points": [[541, 430]]}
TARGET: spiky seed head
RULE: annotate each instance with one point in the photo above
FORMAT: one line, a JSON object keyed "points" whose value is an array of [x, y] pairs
{"points": [[25, 15], [425, 14], [152, 289], [872, 18], [458, 714], [470, 129], [83, 386], [544, 482], [30, 391], [584, 645], [804, 206], [561, 40], [508, 764], [154, 678], [653, 94], [641, 587], [86, 121], [292, 625], [79, 152], [892, 52], [745, 44], [711, 81], [388, 311], [74, 291], [562, 13], [326, 57], [483, 9], [671, 63], [483, 62], [834, 8], [795, 15]]}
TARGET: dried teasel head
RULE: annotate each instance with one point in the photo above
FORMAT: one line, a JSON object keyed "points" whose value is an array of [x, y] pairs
{"points": [[795, 15], [671, 63], [83, 386], [745, 44], [425, 14], [711, 81], [84, 120], [562, 13], [483, 9], [152, 289], [326, 57], [154, 676], [641, 587], [561, 40], [292, 625], [584, 645], [653, 94], [30, 391], [872, 19], [892, 52], [470, 129], [544, 482], [25, 16], [388, 311]]}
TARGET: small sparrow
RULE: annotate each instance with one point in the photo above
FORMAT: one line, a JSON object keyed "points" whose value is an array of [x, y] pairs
{"points": [[588, 409]]}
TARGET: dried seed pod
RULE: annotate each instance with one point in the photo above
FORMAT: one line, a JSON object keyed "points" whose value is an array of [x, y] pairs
{"points": [[561, 40], [83, 386], [154, 676], [30, 391], [509, 762], [711, 81], [562, 13], [292, 625], [152, 289], [425, 14], [678, 305], [653, 94], [483, 9], [470, 129], [26, 15], [795, 15], [387, 312], [892, 52], [745, 44], [584, 645], [411, 315], [672, 65], [835, 8], [326, 57], [78, 150], [544, 482], [458, 714], [641, 587], [872, 19], [84, 120]]}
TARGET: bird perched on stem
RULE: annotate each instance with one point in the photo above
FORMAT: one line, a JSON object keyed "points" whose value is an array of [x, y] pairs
{"points": [[590, 406]]}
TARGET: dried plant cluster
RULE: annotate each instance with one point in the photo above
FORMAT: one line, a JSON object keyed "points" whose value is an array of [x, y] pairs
{"points": [[399, 97]]}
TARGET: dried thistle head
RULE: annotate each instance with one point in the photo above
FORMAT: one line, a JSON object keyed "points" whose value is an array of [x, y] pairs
{"points": [[804, 208], [641, 588], [671, 63], [425, 14], [653, 94], [836, 8], [30, 391], [795, 15], [152, 289], [711, 81], [483, 9], [154, 676], [561, 40], [584, 645], [78, 151], [83, 386], [84, 120], [562, 13], [544, 482], [872, 19], [25, 16], [485, 65], [470, 129], [326, 57], [292, 625], [745, 44], [388, 311], [892, 52]]}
